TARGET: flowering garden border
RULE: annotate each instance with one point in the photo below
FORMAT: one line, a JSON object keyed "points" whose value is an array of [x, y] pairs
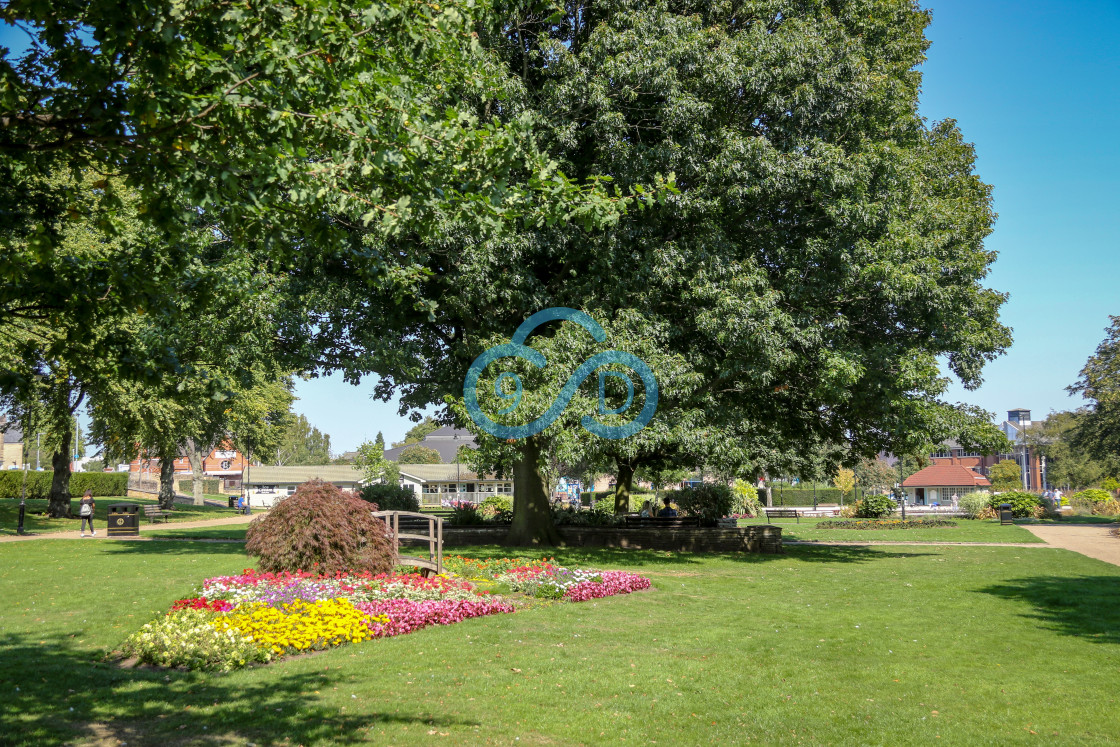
{"points": [[255, 618]]}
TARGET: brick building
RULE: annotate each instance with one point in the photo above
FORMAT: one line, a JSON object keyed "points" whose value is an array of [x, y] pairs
{"points": [[223, 462]]}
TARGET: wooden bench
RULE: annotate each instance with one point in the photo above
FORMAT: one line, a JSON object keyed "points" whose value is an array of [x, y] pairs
{"points": [[155, 512], [408, 525], [666, 522], [782, 513]]}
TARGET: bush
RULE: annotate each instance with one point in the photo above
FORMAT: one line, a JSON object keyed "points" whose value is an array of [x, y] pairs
{"points": [[210, 486], [875, 507], [746, 499], [973, 504], [602, 515], [1023, 505], [786, 496], [103, 484], [1092, 495], [387, 497], [497, 509], [708, 501], [320, 528], [465, 515]]}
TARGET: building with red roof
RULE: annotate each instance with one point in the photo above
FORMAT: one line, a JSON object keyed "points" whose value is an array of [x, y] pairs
{"points": [[939, 482]]}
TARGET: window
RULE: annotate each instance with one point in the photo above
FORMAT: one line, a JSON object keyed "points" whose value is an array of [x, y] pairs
{"points": [[430, 488], [505, 487]]}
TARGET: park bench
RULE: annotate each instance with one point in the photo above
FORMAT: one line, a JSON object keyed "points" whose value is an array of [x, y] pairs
{"points": [[659, 522], [155, 512], [782, 513], [415, 527]]}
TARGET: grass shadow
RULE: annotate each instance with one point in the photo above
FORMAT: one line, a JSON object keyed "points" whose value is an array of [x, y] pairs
{"points": [[172, 547], [1083, 606], [56, 694]]}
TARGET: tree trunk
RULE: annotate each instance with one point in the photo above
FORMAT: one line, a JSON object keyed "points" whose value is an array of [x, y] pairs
{"points": [[624, 483], [194, 454], [59, 505], [167, 480], [532, 518], [769, 495]]}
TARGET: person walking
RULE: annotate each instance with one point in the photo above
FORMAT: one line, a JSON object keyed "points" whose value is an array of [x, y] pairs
{"points": [[86, 513]]}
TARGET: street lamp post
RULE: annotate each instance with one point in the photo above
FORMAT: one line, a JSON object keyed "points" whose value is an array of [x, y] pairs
{"points": [[22, 501], [901, 490]]}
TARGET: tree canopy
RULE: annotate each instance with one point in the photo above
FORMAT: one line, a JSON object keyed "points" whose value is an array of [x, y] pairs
{"points": [[1098, 432]]}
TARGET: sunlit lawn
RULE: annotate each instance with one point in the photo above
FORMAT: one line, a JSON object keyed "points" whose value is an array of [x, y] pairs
{"points": [[966, 530], [36, 520], [847, 645]]}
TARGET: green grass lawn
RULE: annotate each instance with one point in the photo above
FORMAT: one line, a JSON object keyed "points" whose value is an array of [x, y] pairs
{"points": [[35, 519], [849, 645], [1081, 519], [967, 530]]}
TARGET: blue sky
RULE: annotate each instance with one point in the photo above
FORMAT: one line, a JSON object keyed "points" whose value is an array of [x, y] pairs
{"points": [[1034, 85]]}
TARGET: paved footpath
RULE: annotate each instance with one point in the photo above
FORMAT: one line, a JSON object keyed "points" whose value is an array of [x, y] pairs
{"points": [[1094, 540], [148, 527]]}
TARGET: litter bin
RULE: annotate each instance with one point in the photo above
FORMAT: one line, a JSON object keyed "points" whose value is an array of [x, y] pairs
{"points": [[233, 501], [1005, 513], [124, 520]]}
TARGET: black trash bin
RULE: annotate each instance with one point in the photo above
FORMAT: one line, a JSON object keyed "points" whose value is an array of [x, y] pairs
{"points": [[124, 520], [1005, 513], [233, 501]]}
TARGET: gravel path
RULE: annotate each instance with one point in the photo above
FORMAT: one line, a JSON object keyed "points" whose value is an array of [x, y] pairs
{"points": [[1094, 540], [144, 527]]}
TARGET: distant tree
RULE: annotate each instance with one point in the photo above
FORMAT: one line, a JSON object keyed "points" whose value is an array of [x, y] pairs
{"points": [[1098, 432], [875, 475], [302, 443], [94, 465], [1006, 475], [1069, 463], [416, 433], [370, 458], [844, 481], [416, 454]]}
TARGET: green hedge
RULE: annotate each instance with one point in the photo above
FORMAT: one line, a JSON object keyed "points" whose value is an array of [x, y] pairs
{"points": [[103, 484], [803, 497], [210, 486]]}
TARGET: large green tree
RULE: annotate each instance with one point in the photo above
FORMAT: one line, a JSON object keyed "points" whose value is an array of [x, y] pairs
{"points": [[1098, 432], [822, 252]]}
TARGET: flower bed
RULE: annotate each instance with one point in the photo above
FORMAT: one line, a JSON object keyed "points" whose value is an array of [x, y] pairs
{"points": [[885, 523], [256, 617]]}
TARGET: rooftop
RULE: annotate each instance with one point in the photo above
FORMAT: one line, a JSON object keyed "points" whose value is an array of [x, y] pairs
{"points": [[336, 473], [948, 474]]}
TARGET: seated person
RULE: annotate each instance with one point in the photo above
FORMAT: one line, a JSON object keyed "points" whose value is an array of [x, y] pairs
{"points": [[668, 512], [647, 510]]}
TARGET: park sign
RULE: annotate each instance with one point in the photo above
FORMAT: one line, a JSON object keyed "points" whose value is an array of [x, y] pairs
{"points": [[516, 348]]}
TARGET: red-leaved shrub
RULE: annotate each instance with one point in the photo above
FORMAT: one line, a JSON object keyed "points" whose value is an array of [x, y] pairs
{"points": [[320, 528]]}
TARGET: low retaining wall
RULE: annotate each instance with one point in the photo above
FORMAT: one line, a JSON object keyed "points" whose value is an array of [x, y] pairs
{"points": [[755, 538]]}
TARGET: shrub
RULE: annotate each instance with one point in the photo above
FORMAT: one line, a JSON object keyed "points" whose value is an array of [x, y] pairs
{"points": [[709, 501], [602, 515], [387, 497], [847, 512], [1023, 505], [875, 507], [103, 484], [973, 504], [210, 486], [1092, 495], [497, 509], [465, 515], [786, 496], [321, 528], [746, 499]]}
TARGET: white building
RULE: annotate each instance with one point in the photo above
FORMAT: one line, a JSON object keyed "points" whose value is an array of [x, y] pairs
{"points": [[442, 484], [266, 485]]}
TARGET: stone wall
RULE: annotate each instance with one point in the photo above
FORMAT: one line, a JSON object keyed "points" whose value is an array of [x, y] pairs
{"points": [[756, 538]]}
